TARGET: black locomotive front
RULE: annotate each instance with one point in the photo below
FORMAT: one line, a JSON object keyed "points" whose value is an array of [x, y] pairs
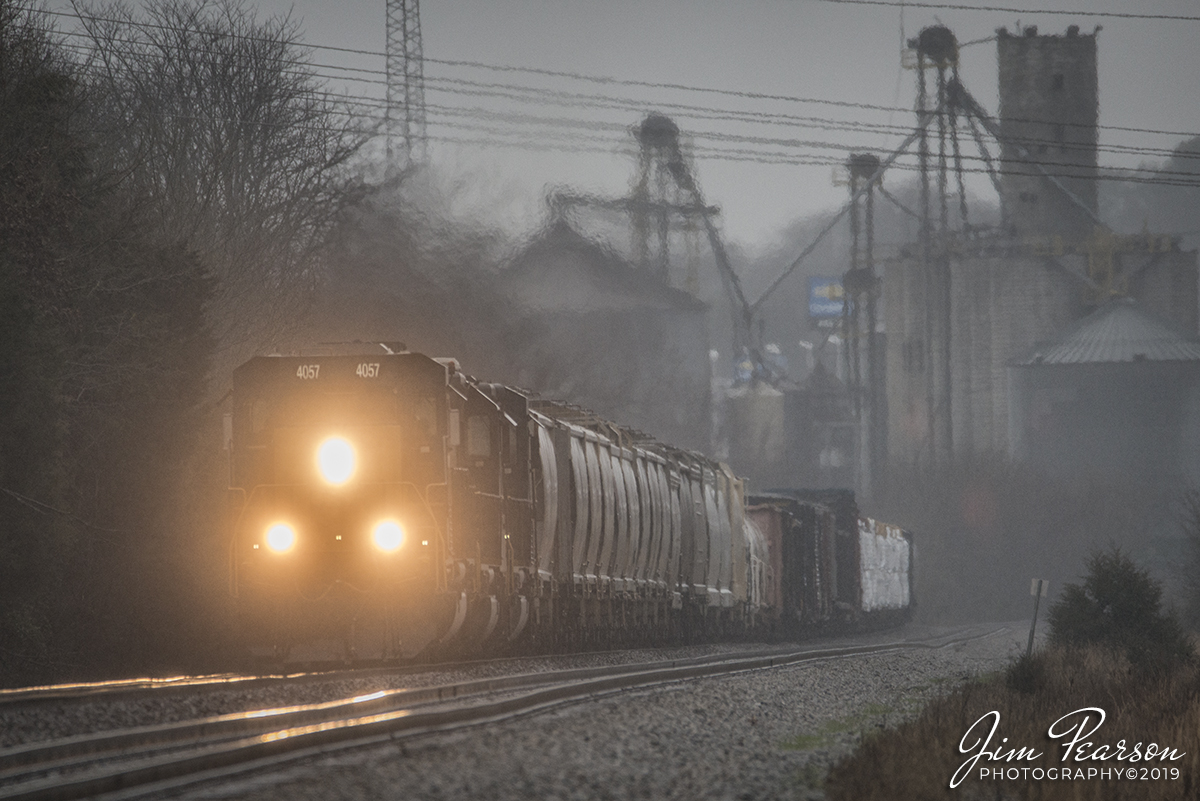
{"points": [[338, 471]]}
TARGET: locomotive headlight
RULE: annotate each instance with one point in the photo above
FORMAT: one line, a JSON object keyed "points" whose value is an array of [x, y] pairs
{"points": [[336, 460], [388, 535], [281, 537]]}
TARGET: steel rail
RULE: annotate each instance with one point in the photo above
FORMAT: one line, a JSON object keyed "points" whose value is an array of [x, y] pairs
{"points": [[113, 690], [149, 687], [154, 687], [157, 758]]}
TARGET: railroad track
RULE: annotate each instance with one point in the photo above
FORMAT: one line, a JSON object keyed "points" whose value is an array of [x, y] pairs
{"points": [[154, 760], [150, 688]]}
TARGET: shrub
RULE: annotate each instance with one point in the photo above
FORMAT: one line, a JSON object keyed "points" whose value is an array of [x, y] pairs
{"points": [[1119, 606], [1025, 674]]}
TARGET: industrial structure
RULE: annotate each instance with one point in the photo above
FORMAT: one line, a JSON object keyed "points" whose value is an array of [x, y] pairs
{"points": [[1049, 116], [963, 304], [631, 333], [1116, 394], [860, 325], [931, 381], [591, 326], [666, 196], [934, 338]]}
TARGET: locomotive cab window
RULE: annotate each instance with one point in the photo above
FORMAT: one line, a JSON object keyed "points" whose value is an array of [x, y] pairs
{"points": [[259, 415], [479, 437], [426, 418]]}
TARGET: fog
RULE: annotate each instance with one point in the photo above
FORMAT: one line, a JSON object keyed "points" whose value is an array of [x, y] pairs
{"points": [[174, 245], [547, 312]]}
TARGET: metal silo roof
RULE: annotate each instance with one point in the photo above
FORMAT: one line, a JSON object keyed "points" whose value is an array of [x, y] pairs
{"points": [[1119, 331]]}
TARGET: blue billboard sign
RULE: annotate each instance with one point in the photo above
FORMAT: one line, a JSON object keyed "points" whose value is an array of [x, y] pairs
{"points": [[825, 297]]}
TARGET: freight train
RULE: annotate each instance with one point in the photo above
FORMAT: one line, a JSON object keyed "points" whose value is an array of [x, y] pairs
{"points": [[389, 505]]}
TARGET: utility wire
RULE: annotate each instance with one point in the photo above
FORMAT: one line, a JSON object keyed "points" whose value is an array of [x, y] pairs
{"points": [[534, 129], [1013, 10], [545, 97], [557, 73], [574, 76], [533, 94]]}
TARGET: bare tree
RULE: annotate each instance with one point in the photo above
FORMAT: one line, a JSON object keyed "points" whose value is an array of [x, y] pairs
{"points": [[221, 127]]}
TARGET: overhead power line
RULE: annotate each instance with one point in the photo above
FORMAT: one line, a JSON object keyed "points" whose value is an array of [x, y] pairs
{"points": [[706, 113], [574, 76], [555, 97], [312, 68], [1014, 10], [540, 127], [600, 79], [720, 143], [370, 108]]}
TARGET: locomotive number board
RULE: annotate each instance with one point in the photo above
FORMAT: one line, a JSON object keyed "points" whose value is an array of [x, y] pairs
{"points": [[340, 370], [311, 371]]}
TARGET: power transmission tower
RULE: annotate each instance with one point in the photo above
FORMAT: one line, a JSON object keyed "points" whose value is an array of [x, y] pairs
{"points": [[404, 117]]}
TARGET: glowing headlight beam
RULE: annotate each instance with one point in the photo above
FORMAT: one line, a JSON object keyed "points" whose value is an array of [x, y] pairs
{"points": [[388, 535], [281, 537], [336, 460]]}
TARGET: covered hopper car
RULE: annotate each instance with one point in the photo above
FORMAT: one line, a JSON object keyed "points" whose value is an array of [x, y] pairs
{"points": [[391, 505]]}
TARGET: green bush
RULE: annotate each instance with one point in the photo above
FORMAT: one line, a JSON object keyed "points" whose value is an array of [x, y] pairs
{"points": [[1118, 605]]}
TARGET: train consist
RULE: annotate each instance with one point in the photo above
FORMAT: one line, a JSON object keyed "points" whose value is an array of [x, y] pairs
{"points": [[396, 506]]}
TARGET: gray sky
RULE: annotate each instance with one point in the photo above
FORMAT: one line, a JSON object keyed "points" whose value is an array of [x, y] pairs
{"points": [[804, 49]]}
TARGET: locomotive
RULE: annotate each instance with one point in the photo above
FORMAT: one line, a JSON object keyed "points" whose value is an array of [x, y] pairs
{"points": [[389, 505]]}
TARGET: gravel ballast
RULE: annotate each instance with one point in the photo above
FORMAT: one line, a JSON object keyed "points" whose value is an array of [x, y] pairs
{"points": [[760, 735]]}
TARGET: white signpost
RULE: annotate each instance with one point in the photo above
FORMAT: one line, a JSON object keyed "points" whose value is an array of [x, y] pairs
{"points": [[1037, 588]]}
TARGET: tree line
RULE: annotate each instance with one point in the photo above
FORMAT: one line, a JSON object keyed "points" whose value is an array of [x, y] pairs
{"points": [[169, 192]]}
